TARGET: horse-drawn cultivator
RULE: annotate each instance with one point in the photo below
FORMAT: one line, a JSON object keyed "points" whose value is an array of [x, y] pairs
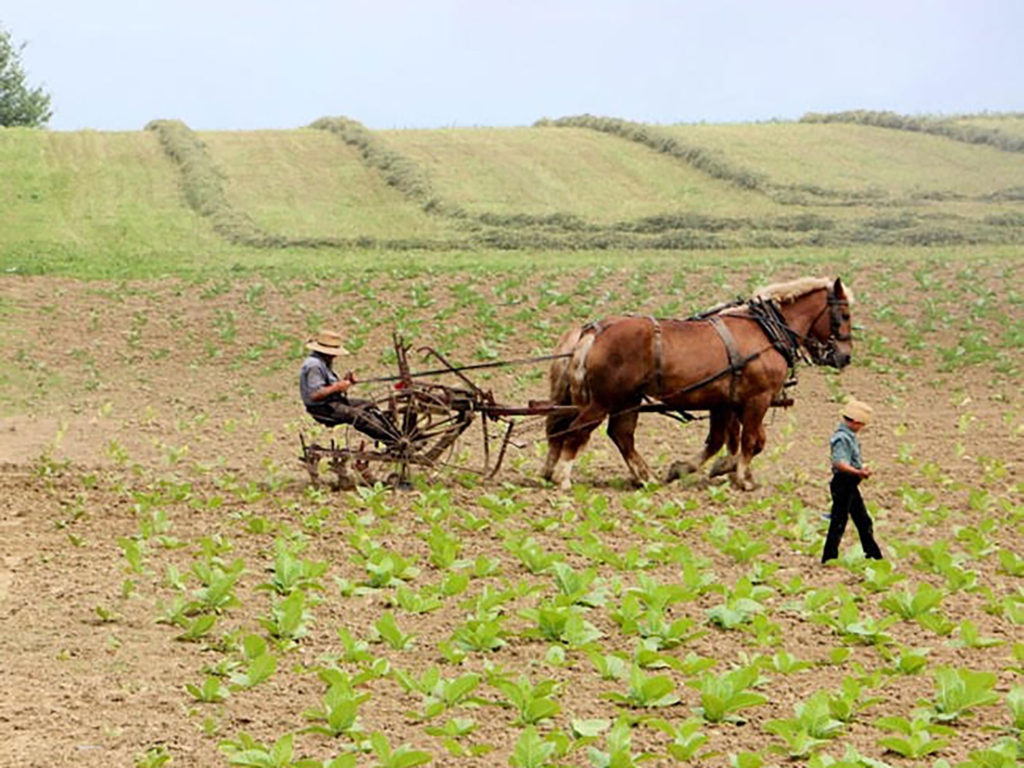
{"points": [[428, 418], [733, 361]]}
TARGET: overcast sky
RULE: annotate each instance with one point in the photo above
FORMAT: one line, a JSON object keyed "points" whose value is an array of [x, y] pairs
{"points": [[225, 64]]}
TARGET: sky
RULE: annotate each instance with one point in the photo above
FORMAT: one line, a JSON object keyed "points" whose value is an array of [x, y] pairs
{"points": [[229, 65]]}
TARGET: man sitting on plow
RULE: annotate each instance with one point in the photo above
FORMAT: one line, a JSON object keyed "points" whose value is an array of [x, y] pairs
{"points": [[325, 396]]}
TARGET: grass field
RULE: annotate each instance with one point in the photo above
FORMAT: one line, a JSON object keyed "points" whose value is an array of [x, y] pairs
{"points": [[306, 183], [854, 158], [584, 173], [78, 198], [115, 203]]}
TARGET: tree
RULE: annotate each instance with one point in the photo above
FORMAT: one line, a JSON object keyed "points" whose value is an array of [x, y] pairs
{"points": [[19, 104]]}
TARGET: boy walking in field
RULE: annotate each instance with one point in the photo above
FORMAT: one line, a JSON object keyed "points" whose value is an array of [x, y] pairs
{"points": [[847, 471]]}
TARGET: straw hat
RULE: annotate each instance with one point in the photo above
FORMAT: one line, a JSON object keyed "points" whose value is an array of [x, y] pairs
{"points": [[856, 410], [328, 343]]}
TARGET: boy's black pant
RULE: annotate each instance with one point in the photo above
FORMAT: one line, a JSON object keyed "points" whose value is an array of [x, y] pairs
{"points": [[847, 503]]}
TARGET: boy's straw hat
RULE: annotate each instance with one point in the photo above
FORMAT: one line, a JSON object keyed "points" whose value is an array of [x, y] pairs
{"points": [[857, 410]]}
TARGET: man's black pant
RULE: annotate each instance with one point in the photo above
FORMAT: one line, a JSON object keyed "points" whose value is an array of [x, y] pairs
{"points": [[361, 414], [847, 503]]}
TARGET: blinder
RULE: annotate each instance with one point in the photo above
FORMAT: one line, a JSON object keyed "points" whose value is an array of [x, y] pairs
{"points": [[826, 353]]}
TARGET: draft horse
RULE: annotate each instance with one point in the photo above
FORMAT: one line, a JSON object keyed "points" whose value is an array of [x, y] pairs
{"points": [[730, 361]]}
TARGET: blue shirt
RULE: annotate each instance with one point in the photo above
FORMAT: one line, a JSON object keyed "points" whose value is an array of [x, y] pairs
{"points": [[314, 374], [845, 448]]}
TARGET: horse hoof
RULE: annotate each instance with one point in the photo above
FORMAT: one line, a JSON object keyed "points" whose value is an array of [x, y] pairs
{"points": [[678, 469], [723, 466], [743, 485]]}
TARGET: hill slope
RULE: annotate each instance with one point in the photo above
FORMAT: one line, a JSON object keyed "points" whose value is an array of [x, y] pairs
{"points": [[575, 183]]}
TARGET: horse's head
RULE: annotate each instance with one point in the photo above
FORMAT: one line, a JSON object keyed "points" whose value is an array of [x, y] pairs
{"points": [[829, 339]]}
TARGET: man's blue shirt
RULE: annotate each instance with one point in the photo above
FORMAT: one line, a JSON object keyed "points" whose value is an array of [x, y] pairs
{"points": [[314, 374]]}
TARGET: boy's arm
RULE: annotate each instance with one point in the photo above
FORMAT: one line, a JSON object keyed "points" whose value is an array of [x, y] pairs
{"points": [[848, 469]]}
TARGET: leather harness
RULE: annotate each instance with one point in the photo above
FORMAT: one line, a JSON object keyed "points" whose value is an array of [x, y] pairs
{"points": [[736, 361]]}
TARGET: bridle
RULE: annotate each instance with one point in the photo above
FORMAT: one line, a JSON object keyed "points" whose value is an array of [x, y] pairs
{"points": [[823, 352]]}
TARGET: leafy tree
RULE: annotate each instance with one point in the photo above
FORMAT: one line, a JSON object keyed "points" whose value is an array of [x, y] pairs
{"points": [[19, 104]]}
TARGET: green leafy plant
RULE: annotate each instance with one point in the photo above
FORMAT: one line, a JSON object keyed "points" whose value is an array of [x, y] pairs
{"points": [[915, 738], [258, 663], [402, 756], [533, 703], [907, 605], [439, 693], [851, 625], [809, 729], [578, 587], [909, 661], [292, 572], [958, 692], [211, 691], [340, 713], [532, 555], [646, 691], [388, 631], [879, 576], [154, 757], [970, 637], [288, 620], [687, 738], [618, 748], [246, 751], [480, 634], [531, 751], [722, 696], [388, 569]]}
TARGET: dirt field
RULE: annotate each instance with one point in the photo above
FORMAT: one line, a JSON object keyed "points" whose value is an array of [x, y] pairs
{"points": [[148, 445]]}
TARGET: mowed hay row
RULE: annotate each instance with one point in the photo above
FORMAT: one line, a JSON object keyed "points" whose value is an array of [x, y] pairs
{"points": [[1012, 124], [306, 183]]}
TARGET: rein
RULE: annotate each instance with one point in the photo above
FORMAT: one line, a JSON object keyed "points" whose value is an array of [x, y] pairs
{"points": [[472, 367]]}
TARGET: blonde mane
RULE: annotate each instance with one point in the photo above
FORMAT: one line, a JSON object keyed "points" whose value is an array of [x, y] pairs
{"points": [[790, 291]]}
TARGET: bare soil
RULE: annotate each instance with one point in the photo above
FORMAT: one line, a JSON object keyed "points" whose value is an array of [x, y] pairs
{"points": [[127, 400]]}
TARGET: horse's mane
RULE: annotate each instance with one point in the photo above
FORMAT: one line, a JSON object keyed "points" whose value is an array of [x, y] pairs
{"points": [[789, 291]]}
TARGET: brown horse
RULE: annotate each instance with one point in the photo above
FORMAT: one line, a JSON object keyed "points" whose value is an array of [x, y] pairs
{"points": [[730, 362]]}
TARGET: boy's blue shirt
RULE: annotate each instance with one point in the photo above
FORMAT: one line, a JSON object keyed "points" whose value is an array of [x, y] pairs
{"points": [[845, 447]]}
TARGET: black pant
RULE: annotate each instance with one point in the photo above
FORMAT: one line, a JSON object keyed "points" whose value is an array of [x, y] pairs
{"points": [[361, 414], [847, 503]]}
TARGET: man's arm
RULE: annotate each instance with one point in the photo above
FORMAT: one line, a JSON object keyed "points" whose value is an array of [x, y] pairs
{"points": [[340, 386]]}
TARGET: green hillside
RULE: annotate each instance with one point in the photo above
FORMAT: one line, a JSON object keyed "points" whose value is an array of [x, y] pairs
{"points": [[544, 170], [172, 196], [307, 184], [851, 158], [77, 195]]}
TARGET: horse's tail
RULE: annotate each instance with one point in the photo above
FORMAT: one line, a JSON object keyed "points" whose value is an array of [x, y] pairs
{"points": [[560, 381]]}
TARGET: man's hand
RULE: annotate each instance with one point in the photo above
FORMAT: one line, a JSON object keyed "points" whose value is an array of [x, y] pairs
{"points": [[350, 377]]}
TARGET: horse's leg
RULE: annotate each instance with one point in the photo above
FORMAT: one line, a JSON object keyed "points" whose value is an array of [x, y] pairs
{"points": [[621, 428], [725, 465], [752, 440], [577, 434], [555, 427], [718, 422]]}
